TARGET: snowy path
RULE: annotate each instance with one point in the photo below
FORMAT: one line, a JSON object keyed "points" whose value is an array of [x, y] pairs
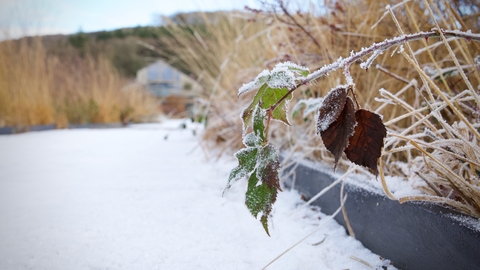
{"points": [[129, 199]]}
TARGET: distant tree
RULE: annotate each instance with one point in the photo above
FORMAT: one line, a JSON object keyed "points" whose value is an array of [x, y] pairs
{"points": [[144, 32], [119, 33], [79, 40], [103, 35]]}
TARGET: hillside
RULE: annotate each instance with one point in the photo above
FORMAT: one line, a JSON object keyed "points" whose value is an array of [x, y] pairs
{"points": [[128, 49]]}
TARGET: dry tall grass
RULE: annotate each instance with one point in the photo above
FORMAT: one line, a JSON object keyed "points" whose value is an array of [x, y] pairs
{"points": [[432, 116], [223, 50], [36, 89]]}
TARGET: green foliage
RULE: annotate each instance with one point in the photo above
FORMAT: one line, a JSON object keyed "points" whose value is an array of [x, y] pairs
{"points": [[248, 112], [247, 158], [119, 33], [145, 32], [357, 132], [79, 40], [260, 164], [103, 35], [259, 161], [259, 199], [273, 96]]}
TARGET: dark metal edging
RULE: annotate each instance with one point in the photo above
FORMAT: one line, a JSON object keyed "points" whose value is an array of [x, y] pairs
{"points": [[411, 235]]}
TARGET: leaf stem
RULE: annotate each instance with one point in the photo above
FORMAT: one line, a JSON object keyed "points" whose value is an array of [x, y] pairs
{"points": [[267, 127]]}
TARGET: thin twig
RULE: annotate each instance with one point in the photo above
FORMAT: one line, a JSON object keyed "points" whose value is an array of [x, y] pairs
{"points": [[284, 9], [386, 71], [325, 222], [381, 46], [344, 211]]}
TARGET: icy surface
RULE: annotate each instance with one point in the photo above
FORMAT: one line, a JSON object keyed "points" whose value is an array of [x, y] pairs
{"points": [[145, 197]]}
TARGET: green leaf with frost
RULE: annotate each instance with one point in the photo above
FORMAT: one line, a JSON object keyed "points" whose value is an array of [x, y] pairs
{"points": [[248, 112], [303, 71], [282, 78], [259, 199], [264, 184], [268, 164], [261, 79], [280, 113], [258, 123], [252, 140], [271, 97], [247, 159]]}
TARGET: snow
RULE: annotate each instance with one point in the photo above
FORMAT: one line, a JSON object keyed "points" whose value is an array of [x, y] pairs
{"points": [[147, 197], [469, 222]]}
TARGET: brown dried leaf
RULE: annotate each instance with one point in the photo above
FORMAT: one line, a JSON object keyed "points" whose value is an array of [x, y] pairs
{"points": [[335, 137], [365, 146], [331, 108]]}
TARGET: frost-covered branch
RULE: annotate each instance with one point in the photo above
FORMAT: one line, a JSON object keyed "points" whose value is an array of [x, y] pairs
{"points": [[375, 49], [344, 127]]}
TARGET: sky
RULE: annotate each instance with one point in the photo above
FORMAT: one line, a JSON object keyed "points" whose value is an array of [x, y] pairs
{"points": [[40, 17]]}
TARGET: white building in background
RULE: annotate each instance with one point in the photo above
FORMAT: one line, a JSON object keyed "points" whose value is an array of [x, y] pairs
{"points": [[163, 80], [176, 90]]}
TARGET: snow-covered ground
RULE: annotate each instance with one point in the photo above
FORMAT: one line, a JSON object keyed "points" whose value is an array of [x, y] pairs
{"points": [[147, 197]]}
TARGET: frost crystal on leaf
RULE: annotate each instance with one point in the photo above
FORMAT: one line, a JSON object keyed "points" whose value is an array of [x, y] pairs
{"points": [[246, 163], [259, 80], [252, 140], [300, 70], [281, 77], [331, 107]]}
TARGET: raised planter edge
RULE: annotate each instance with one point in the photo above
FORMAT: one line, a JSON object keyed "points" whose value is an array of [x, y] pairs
{"points": [[411, 235]]}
